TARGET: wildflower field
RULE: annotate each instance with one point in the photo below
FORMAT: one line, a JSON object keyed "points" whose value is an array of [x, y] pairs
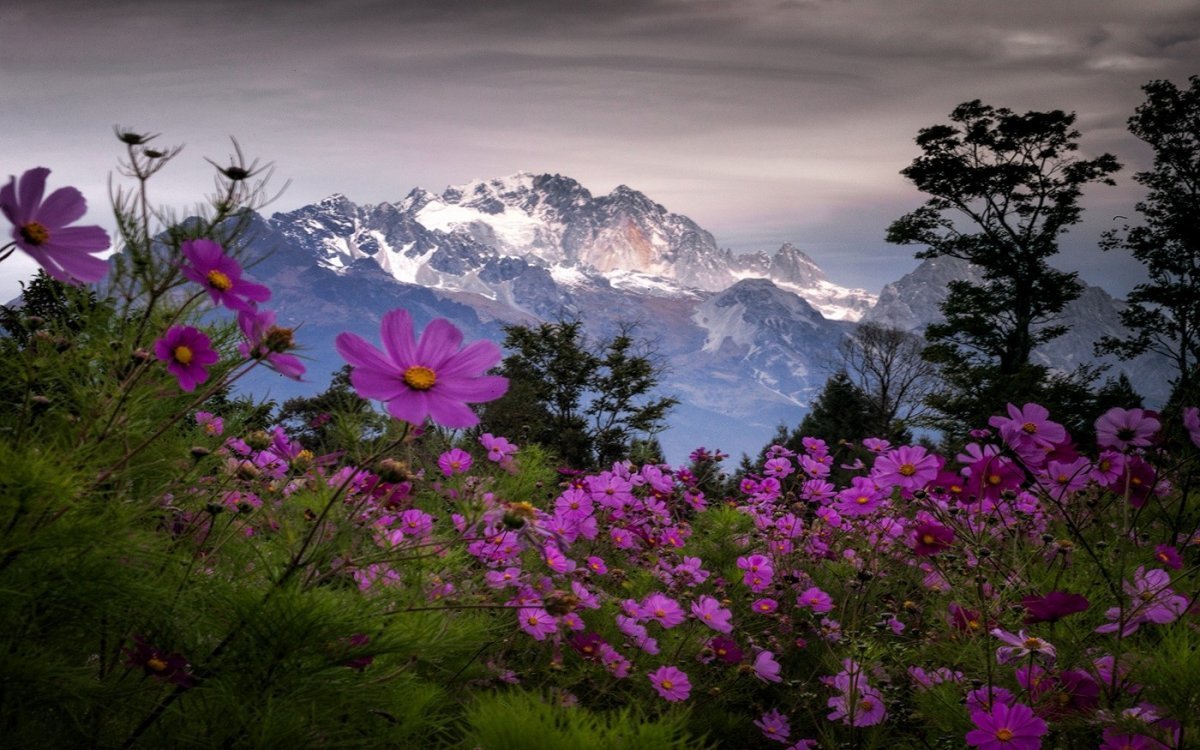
{"points": [[178, 571]]}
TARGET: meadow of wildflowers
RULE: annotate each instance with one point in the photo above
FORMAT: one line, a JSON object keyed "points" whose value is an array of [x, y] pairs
{"points": [[178, 571]]}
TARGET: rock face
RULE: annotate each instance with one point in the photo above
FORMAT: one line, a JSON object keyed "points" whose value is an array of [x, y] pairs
{"points": [[748, 340]]}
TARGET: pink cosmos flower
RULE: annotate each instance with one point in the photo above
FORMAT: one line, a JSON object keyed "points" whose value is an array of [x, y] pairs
{"points": [[1169, 556], [40, 228], [774, 725], [710, 612], [671, 683], [212, 424], [498, 448], [766, 668], [815, 599], [1053, 606], [454, 461], [909, 467], [188, 353], [432, 378], [1191, 423], [209, 266], [931, 539], [1006, 727], [1126, 428], [1021, 645], [1029, 431], [537, 622], [268, 342], [663, 609]]}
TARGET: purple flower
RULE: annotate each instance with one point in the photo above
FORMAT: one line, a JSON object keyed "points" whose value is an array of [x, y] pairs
{"points": [[985, 698], [663, 609], [498, 448], [766, 668], [1053, 606], [1191, 423], [454, 461], [1029, 431], [671, 683], [268, 342], [1006, 727], [909, 467], [432, 378], [1021, 645], [774, 725], [710, 612], [1169, 556], [209, 266], [725, 649], [815, 599], [931, 539], [159, 664], [537, 622], [187, 352], [40, 228], [1126, 428]]}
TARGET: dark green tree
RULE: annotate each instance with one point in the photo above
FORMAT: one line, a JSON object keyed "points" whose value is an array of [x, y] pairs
{"points": [[841, 412], [1003, 187], [1163, 312], [585, 402]]}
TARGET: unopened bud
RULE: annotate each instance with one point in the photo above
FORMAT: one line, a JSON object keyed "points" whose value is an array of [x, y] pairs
{"points": [[258, 440]]}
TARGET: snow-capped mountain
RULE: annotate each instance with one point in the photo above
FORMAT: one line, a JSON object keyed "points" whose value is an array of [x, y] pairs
{"points": [[748, 340], [473, 236]]}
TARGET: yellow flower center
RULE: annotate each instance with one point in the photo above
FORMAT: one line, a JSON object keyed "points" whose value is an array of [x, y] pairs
{"points": [[862, 499], [218, 280], [1032, 643], [35, 233], [156, 664], [907, 470], [668, 684], [182, 354], [1004, 735], [928, 538], [419, 378], [865, 704], [1029, 428]]}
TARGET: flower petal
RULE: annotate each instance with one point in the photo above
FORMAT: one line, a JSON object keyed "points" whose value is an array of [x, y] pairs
{"points": [[412, 407], [439, 342], [378, 384], [473, 390], [397, 332], [475, 359], [355, 350], [64, 206], [451, 412], [30, 190]]}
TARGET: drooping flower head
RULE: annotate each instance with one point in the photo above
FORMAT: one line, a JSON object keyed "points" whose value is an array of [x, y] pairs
{"points": [[269, 343], [220, 275], [40, 228], [188, 353], [433, 378]]}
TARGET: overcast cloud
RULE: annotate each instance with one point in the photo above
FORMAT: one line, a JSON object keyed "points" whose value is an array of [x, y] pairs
{"points": [[765, 121]]}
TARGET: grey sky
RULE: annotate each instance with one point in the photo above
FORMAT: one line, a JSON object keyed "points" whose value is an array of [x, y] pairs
{"points": [[765, 121]]}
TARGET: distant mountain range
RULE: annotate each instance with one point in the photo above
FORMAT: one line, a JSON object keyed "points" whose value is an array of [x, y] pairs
{"points": [[748, 339]]}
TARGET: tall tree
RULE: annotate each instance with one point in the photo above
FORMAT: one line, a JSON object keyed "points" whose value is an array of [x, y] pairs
{"points": [[1163, 313], [585, 402], [1003, 187]]}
